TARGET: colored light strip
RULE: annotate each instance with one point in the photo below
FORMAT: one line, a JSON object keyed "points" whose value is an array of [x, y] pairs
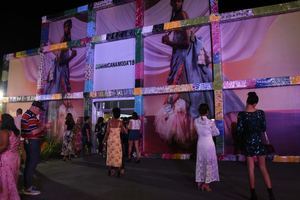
{"points": [[177, 88], [30, 52], [47, 97], [168, 156], [237, 15], [111, 93], [262, 83], [103, 4], [21, 99], [214, 8], [67, 13], [261, 11]]}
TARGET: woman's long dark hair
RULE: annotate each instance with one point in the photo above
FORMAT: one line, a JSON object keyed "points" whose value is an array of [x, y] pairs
{"points": [[135, 116], [8, 123], [174, 11], [67, 23], [100, 120], [116, 112], [203, 110], [252, 98], [69, 119]]}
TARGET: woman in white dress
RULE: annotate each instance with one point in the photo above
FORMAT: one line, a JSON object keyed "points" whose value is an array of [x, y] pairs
{"points": [[207, 163]]}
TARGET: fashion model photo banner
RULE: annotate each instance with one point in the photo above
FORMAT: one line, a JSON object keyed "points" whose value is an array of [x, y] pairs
{"points": [[68, 29], [55, 114], [23, 76], [115, 19], [169, 121], [261, 47], [161, 11], [281, 106], [63, 71], [178, 57], [117, 60]]}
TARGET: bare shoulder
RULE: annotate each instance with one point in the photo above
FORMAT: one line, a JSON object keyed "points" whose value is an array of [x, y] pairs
{"points": [[184, 15], [4, 133]]}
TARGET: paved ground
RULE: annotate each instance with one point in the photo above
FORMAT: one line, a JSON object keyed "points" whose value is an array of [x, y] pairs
{"points": [[86, 179]]}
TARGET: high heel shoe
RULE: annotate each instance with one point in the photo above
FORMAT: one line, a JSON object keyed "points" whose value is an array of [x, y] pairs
{"points": [[111, 172], [205, 187], [253, 197], [122, 172], [199, 186], [271, 195]]}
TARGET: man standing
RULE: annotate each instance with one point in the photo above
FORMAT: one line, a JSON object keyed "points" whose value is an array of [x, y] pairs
{"points": [[18, 118], [32, 131]]}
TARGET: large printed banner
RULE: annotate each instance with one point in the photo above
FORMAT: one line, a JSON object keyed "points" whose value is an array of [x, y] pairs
{"points": [[188, 62], [115, 19], [55, 115], [282, 109], [161, 11], [23, 76], [186, 59], [114, 65], [73, 28], [169, 122], [56, 112], [63, 71], [261, 47], [11, 108]]}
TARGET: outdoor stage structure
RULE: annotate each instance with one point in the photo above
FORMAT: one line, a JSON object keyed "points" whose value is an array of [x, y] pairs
{"points": [[110, 53]]}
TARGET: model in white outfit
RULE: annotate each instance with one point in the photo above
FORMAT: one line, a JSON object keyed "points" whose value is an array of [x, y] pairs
{"points": [[207, 164]]}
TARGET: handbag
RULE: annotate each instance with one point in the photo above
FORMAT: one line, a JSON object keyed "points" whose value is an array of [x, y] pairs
{"points": [[266, 142]]}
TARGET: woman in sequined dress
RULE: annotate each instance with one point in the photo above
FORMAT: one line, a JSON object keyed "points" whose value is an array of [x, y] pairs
{"points": [[250, 127]]}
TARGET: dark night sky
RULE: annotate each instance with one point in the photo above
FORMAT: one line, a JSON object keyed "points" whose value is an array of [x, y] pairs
{"points": [[21, 20]]}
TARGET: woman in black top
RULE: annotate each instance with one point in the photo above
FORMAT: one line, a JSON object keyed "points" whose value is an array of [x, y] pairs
{"points": [[250, 127], [67, 147], [100, 129]]}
